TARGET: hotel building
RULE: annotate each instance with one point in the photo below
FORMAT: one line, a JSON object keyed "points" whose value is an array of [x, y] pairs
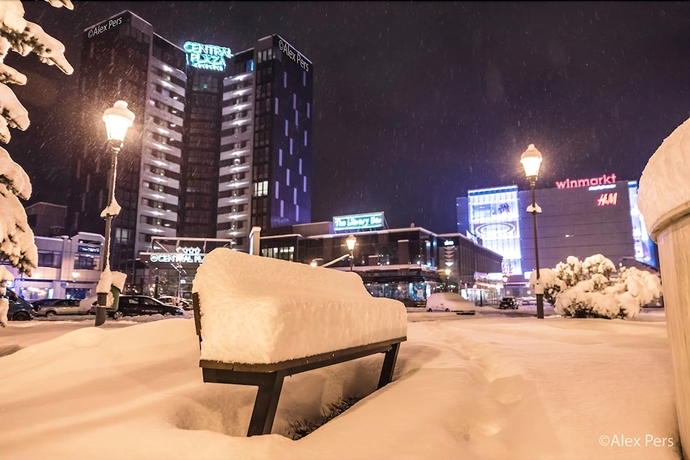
{"points": [[221, 142]]}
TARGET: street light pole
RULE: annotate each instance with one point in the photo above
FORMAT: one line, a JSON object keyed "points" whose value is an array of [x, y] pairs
{"points": [[531, 161], [539, 291], [351, 241], [118, 119]]}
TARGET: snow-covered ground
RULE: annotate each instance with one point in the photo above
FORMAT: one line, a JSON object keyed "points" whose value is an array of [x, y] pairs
{"points": [[483, 387]]}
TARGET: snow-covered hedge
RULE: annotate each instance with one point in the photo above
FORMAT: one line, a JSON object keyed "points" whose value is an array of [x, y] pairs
{"points": [[593, 288]]}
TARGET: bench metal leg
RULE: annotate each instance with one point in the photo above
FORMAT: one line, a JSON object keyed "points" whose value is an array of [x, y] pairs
{"points": [[388, 365], [266, 403]]}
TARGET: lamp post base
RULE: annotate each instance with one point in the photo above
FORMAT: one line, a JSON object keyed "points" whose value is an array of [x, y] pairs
{"points": [[100, 314], [540, 306]]}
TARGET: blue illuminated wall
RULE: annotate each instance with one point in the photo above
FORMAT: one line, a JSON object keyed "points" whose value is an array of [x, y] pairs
{"points": [[644, 247], [494, 217]]}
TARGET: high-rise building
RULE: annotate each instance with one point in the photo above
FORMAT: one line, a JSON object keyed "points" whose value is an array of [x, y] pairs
{"points": [[220, 143]]}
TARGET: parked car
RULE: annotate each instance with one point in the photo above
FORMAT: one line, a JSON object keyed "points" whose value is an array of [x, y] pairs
{"points": [[449, 301], [89, 304], [20, 309], [134, 305], [37, 304], [56, 307], [186, 304], [411, 303], [508, 302]]}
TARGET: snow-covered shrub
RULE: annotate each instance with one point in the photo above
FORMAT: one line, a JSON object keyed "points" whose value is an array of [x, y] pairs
{"points": [[552, 284], [21, 36], [601, 292], [569, 272]]}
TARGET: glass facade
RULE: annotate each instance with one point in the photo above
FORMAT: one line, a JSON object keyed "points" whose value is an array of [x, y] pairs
{"points": [[644, 247], [494, 217]]}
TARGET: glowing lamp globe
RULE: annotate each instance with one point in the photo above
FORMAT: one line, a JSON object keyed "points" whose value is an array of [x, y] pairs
{"points": [[531, 160], [118, 119]]}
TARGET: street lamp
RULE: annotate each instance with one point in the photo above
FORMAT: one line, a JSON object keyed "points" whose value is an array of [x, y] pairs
{"points": [[447, 272], [351, 241], [531, 160], [118, 119]]}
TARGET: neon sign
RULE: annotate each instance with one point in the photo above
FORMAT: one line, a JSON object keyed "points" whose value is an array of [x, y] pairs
{"points": [[183, 255], [208, 57], [575, 183], [358, 221], [607, 199]]}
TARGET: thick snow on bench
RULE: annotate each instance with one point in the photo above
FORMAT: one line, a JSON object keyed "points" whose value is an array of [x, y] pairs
{"points": [[263, 310]]}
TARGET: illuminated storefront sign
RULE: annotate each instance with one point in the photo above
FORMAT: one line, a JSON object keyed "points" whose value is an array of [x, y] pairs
{"points": [[209, 57], [575, 183], [607, 199], [358, 221], [88, 249], [183, 255]]}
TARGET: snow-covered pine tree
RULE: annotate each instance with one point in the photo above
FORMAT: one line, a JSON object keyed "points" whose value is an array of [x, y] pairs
{"points": [[17, 245]]}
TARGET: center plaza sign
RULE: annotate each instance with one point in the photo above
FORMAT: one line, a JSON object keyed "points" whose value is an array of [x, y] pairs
{"points": [[358, 221], [182, 256], [209, 57]]}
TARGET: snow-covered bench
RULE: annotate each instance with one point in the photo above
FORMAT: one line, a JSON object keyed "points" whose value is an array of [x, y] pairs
{"points": [[260, 319]]}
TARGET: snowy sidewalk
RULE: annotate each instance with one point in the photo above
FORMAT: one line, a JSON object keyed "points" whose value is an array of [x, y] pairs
{"points": [[480, 388]]}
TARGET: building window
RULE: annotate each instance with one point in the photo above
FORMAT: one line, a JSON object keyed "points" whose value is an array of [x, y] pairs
{"points": [[291, 145], [277, 188], [286, 127], [280, 157], [284, 79], [287, 177], [294, 195], [261, 188], [300, 166], [304, 78], [296, 117], [50, 259], [304, 184], [308, 110], [305, 137], [294, 101], [297, 213], [276, 108], [282, 208], [86, 262]]}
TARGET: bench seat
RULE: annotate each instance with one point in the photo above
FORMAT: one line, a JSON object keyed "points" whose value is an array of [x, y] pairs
{"points": [[259, 310]]}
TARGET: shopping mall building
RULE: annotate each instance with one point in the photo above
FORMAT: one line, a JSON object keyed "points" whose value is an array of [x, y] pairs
{"points": [[401, 263], [580, 217]]}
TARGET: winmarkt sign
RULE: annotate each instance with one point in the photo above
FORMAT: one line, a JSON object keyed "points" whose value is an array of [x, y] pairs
{"points": [[575, 183]]}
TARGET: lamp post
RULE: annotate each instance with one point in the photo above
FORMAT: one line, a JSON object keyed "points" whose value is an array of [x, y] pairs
{"points": [[531, 160], [351, 241], [447, 271], [118, 119]]}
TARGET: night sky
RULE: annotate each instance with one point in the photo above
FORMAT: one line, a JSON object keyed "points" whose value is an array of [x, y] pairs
{"points": [[415, 103]]}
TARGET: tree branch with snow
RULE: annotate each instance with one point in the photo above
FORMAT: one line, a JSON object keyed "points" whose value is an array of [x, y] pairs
{"points": [[17, 244]]}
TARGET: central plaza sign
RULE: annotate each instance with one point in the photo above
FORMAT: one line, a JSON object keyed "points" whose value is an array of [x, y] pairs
{"points": [[208, 57]]}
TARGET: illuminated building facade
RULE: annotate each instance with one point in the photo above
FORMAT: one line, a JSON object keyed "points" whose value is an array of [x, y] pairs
{"points": [[221, 142], [577, 219]]}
